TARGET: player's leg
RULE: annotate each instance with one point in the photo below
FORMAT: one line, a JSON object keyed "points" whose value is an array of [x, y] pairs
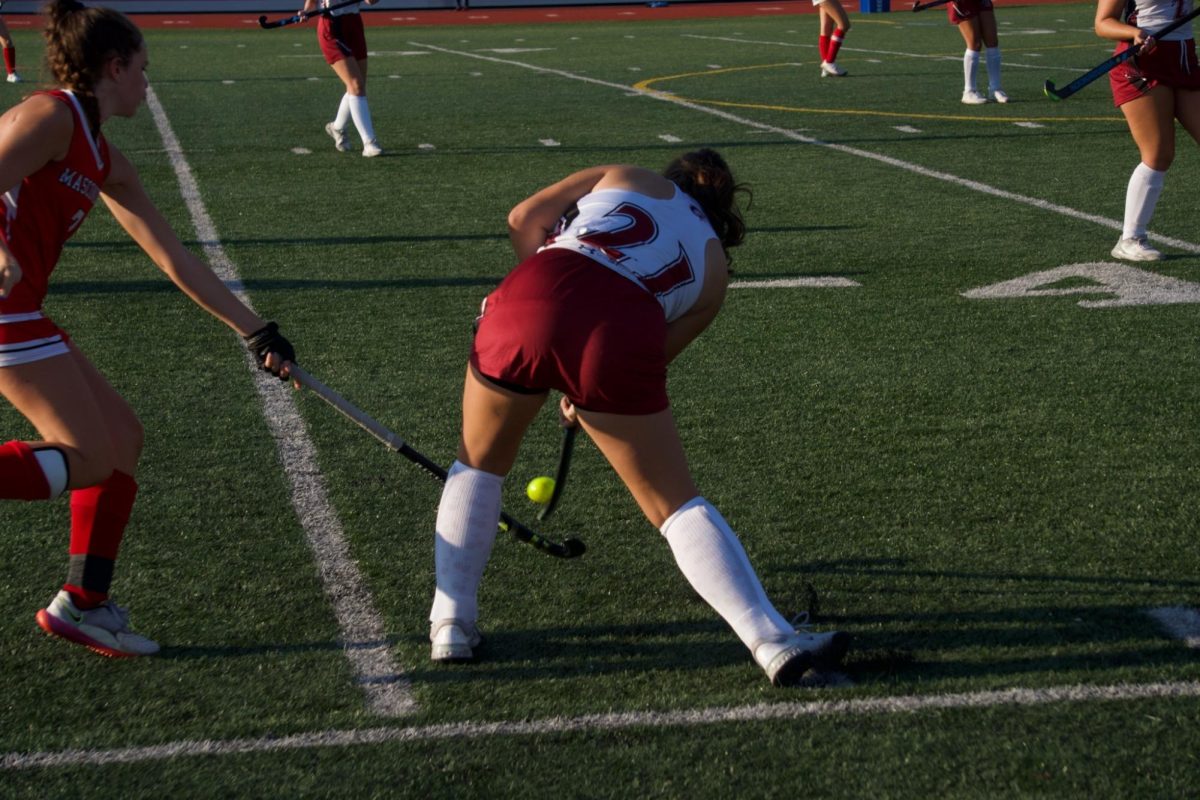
{"points": [[1187, 111], [835, 23], [647, 454], [9, 51], [973, 38], [1151, 119], [494, 422], [991, 43]]}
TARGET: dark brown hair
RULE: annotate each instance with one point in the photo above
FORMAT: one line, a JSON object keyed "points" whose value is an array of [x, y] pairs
{"points": [[80, 41], [707, 179]]}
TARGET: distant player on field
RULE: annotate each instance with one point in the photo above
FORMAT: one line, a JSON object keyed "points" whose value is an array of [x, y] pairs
{"points": [[834, 25], [1157, 86], [597, 310], [9, 50], [976, 21], [344, 45], [55, 163]]}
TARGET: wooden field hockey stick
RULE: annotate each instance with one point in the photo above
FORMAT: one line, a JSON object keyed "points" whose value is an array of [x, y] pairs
{"points": [[302, 16], [571, 548], [564, 465], [1105, 67], [919, 6]]}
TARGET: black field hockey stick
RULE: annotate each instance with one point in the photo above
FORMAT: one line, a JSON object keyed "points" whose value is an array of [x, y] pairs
{"points": [[1105, 67], [303, 16], [564, 466], [919, 6], [571, 548]]}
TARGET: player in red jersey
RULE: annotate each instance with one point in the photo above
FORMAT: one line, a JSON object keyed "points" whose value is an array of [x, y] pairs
{"points": [[9, 51], [344, 45], [55, 163], [976, 21], [1159, 85], [597, 313]]}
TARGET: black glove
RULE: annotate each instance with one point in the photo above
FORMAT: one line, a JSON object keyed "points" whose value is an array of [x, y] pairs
{"points": [[269, 340]]}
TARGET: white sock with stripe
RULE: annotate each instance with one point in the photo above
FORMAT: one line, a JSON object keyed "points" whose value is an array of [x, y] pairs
{"points": [[466, 530], [361, 114], [1145, 185], [970, 69], [715, 564]]}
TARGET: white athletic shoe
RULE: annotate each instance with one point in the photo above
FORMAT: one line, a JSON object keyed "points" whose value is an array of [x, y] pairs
{"points": [[786, 660], [13, 78], [341, 142], [453, 641], [999, 95], [830, 69], [973, 98], [104, 630], [1136, 249], [372, 149]]}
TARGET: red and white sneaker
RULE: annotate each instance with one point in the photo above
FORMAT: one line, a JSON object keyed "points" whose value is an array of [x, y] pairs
{"points": [[103, 630]]}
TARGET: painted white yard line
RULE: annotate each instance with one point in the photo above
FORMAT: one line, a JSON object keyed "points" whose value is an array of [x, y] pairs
{"points": [[362, 632], [1181, 622], [819, 282], [916, 169], [604, 723]]}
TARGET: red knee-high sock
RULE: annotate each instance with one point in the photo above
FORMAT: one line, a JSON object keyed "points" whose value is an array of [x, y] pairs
{"points": [[835, 44], [99, 515], [21, 476], [823, 46], [10, 59]]}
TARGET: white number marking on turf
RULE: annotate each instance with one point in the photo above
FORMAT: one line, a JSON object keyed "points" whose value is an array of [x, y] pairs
{"points": [[549, 142], [301, 151], [1029, 124], [669, 137], [364, 638], [1132, 286], [907, 129], [1181, 622]]}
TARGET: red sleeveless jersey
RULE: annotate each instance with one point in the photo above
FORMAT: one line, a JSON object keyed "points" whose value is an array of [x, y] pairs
{"points": [[46, 209]]}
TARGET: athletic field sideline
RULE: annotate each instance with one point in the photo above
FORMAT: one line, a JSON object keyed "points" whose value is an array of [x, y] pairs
{"points": [[939, 416]]}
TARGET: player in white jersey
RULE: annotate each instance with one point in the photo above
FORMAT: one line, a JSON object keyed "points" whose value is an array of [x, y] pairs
{"points": [[1157, 86], [597, 311], [344, 44]]}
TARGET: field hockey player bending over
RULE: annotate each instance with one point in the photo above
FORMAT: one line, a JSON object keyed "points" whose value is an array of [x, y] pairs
{"points": [[597, 311], [1159, 85], [55, 163]]}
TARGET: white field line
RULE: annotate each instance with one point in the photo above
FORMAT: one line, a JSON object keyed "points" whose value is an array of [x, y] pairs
{"points": [[818, 282], [603, 723], [916, 169], [362, 632], [898, 53]]}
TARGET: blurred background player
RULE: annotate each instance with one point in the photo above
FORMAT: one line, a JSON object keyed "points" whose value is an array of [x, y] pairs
{"points": [[834, 24], [597, 311], [1159, 85], [976, 22], [344, 45], [55, 163], [9, 51]]}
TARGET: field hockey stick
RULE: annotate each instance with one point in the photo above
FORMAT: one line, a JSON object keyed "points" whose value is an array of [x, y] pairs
{"points": [[919, 6], [571, 548], [302, 16], [1107, 66], [560, 475]]}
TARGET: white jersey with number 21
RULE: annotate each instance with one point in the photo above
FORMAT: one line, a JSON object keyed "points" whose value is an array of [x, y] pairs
{"points": [[657, 244]]}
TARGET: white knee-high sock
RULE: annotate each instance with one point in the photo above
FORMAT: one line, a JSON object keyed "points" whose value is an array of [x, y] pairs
{"points": [[343, 113], [993, 68], [1145, 185], [970, 68], [466, 530], [361, 114], [714, 563]]}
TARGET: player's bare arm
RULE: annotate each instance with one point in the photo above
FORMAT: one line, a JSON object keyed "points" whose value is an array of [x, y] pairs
{"points": [[533, 219], [682, 331], [1108, 25]]}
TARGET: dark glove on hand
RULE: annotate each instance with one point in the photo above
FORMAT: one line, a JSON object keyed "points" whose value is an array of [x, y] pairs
{"points": [[269, 340]]}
